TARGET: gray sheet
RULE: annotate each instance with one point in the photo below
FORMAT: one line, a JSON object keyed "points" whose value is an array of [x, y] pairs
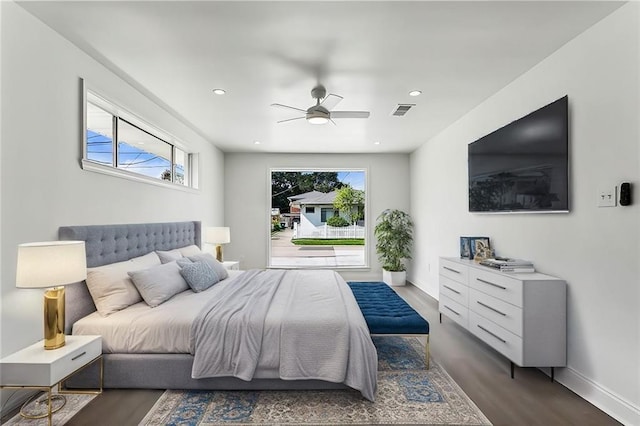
{"points": [[307, 323]]}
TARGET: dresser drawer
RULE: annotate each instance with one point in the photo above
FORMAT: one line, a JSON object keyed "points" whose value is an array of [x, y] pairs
{"points": [[505, 342], [454, 271], [502, 313], [453, 310], [454, 290], [497, 285]]}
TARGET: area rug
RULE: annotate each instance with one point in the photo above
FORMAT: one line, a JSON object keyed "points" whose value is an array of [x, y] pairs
{"points": [[74, 403], [407, 394]]}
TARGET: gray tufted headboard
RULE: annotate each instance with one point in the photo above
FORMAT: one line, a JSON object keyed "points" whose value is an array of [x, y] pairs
{"points": [[107, 244]]}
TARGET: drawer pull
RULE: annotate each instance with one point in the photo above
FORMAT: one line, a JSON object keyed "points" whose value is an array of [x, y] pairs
{"points": [[493, 309], [490, 283], [458, 314], [451, 269], [449, 288], [493, 334], [79, 356]]}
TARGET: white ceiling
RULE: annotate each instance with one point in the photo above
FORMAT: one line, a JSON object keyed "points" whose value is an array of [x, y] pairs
{"points": [[371, 53]]}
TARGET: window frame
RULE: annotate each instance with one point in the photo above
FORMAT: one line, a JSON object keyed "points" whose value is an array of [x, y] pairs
{"points": [[89, 95], [368, 240]]}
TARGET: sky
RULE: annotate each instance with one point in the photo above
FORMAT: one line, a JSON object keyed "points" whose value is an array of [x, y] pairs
{"points": [[354, 178], [100, 150]]}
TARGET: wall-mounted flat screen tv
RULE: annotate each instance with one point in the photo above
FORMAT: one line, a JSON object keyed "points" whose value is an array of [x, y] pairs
{"points": [[523, 166]]}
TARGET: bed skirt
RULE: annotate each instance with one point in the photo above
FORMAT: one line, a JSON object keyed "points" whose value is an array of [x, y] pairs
{"points": [[173, 371]]}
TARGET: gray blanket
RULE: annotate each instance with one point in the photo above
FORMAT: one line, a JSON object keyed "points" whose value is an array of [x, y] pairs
{"points": [[306, 323]]}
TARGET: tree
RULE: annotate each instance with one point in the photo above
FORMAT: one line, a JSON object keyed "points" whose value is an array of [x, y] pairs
{"points": [[286, 184], [346, 199]]}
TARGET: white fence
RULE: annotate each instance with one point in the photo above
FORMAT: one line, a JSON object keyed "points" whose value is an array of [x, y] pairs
{"points": [[325, 231]]}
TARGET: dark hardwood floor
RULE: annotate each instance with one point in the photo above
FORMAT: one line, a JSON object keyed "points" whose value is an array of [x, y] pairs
{"points": [[529, 399], [484, 375]]}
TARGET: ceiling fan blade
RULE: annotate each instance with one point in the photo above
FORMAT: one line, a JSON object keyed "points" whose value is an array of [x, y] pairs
{"points": [[330, 101], [288, 107], [289, 119], [349, 114]]}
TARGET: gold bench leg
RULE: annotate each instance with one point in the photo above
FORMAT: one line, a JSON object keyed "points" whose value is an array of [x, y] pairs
{"points": [[426, 349]]}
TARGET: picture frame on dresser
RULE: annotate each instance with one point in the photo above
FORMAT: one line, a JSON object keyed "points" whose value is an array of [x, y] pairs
{"points": [[465, 248], [478, 244]]}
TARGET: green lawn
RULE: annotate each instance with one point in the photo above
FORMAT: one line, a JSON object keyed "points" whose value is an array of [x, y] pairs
{"points": [[328, 242]]}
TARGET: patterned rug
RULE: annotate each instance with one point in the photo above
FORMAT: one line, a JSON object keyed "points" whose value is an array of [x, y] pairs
{"points": [[407, 394], [74, 403]]}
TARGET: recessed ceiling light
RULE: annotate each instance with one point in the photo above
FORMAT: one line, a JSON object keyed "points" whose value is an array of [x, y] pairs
{"points": [[376, 143], [219, 91], [415, 93], [256, 142]]}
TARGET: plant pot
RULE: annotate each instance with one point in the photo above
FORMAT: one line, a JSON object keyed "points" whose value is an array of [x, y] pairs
{"points": [[394, 279]]}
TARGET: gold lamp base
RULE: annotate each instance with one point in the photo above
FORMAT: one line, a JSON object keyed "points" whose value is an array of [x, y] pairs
{"points": [[219, 253], [54, 318]]}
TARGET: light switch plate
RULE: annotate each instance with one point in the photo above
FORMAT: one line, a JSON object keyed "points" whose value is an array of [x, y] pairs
{"points": [[607, 196]]}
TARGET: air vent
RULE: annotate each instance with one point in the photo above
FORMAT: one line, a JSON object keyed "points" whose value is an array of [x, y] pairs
{"points": [[402, 109]]}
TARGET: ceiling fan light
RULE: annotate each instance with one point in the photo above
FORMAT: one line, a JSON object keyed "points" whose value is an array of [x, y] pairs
{"points": [[317, 115], [318, 119]]}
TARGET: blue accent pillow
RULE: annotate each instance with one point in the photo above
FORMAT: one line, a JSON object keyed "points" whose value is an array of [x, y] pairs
{"points": [[199, 275], [211, 261]]}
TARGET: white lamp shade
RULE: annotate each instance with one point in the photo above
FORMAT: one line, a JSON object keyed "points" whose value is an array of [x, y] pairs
{"points": [[50, 264], [217, 235]]}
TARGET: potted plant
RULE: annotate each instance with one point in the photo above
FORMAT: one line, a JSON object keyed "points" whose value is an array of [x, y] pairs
{"points": [[394, 234]]}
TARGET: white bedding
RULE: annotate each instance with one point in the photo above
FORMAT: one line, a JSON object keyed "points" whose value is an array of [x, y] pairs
{"points": [[167, 328], [142, 329]]}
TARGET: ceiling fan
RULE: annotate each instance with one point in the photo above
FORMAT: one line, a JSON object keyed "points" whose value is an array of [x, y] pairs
{"points": [[321, 112]]}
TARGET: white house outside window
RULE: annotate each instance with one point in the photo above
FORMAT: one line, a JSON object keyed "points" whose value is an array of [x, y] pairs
{"points": [[321, 218]]}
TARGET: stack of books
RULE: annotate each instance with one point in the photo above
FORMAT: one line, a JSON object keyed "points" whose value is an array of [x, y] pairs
{"points": [[504, 264]]}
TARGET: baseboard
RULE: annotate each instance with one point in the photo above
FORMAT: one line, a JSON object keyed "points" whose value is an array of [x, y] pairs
{"points": [[614, 405], [421, 288]]}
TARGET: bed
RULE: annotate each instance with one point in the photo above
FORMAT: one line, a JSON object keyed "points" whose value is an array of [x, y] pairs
{"points": [[155, 348]]}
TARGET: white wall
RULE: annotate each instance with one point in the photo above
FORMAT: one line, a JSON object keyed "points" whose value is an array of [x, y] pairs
{"points": [[596, 250], [247, 203], [43, 186]]}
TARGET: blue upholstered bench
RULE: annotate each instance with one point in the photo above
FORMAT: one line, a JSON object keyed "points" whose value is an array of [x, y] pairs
{"points": [[386, 313]]}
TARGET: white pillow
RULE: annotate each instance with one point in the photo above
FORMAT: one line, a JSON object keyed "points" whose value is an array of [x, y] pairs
{"points": [[169, 255], [159, 283], [110, 286], [190, 250]]}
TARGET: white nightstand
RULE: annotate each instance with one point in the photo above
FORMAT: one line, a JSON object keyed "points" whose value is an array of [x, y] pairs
{"points": [[231, 265], [36, 368]]}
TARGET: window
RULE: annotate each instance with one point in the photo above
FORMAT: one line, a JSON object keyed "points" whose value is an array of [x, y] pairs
{"points": [[119, 143], [326, 213], [306, 200], [99, 135]]}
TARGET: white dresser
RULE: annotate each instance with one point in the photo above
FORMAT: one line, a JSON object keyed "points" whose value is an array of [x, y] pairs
{"points": [[522, 316]]}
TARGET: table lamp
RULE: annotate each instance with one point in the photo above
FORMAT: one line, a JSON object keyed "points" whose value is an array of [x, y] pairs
{"points": [[217, 236], [51, 264]]}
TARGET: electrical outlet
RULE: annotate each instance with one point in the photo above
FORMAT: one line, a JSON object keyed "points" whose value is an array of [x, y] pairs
{"points": [[607, 196]]}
